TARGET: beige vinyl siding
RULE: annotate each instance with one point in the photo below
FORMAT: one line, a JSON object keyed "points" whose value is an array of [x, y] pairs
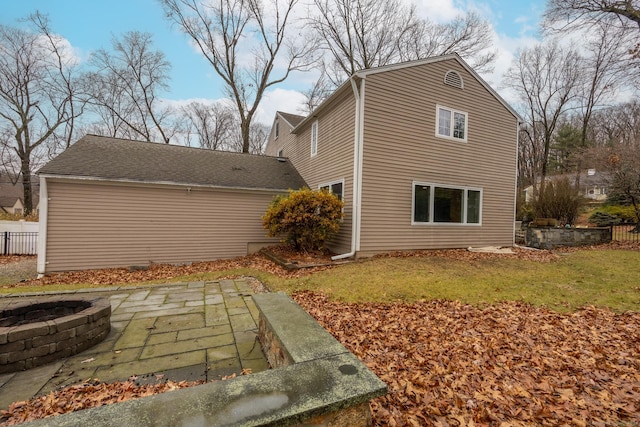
{"points": [[282, 141], [334, 160], [97, 225], [400, 146]]}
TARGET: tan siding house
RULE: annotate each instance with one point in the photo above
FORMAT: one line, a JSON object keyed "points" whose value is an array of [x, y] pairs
{"points": [[120, 203], [427, 153]]}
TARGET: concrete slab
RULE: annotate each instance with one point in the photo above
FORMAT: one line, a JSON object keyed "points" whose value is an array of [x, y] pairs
{"points": [[150, 351], [26, 384], [156, 365], [183, 331]]}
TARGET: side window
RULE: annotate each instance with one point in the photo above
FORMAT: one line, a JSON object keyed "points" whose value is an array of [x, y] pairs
{"points": [[451, 123], [280, 153], [314, 138], [335, 187], [277, 130]]}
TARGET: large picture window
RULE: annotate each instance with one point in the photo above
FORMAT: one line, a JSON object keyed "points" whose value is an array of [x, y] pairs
{"points": [[451, 123], [434, 203]]}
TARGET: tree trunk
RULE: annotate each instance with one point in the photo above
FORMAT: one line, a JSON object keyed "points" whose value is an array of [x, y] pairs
{"points": [[26, 185], [245, 129]]}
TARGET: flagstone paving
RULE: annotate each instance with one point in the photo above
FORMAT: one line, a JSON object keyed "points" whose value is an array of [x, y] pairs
{"points": [[185, 331]]}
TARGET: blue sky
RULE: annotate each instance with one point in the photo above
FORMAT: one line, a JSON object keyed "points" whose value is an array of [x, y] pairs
{"points": [[90, 24]]}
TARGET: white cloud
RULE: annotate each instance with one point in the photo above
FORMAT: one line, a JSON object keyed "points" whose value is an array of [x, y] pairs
{"points": [[287, 100], [438, 11]]}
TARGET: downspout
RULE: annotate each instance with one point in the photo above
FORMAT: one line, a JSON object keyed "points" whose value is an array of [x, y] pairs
{"points": [[515, 202], [42, 228], [357, 169]]}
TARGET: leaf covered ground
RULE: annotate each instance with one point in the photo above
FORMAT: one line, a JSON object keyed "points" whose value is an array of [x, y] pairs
{"points": [[450, 364], [445, 363]]}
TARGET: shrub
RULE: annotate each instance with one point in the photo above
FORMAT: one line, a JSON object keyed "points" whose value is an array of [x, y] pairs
{"points": [[306, 218], [559, 200], [612, 215], [5, 216], [603, 219]]}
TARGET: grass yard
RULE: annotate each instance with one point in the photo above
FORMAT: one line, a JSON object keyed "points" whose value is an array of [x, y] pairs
{"points": [[600, 277], [604, 278]]}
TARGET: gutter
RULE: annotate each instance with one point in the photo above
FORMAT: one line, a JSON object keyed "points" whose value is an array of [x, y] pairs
{"points": [[42, 230], [357, 169]]}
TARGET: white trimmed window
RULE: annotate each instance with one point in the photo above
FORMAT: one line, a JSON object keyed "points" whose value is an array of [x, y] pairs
{"points": [[436, 203], [335, 187], [280, 153], [314, 138], [277, 130], [451, 123]]}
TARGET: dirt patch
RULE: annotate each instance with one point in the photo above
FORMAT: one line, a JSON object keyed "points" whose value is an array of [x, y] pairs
{"points": [[17, 268]]}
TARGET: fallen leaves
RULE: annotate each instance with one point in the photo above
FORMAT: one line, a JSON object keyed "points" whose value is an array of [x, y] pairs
{"points": [[89, 394], [447, 363], [116, 276]]}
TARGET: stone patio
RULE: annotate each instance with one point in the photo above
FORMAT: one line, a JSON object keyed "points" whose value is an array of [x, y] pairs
{"points": [[184, 331]]}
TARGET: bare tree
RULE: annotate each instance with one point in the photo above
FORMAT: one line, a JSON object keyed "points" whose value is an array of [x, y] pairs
{"points": [[604, 66], [125, 86], [208, 125], [530, 156], [469, 35], [362, 34], [587, 12], [318, 92], [225, 30], [37, 78], [545, 77]]}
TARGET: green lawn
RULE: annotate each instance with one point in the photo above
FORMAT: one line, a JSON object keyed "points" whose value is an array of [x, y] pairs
{"points": [[605, 278]]}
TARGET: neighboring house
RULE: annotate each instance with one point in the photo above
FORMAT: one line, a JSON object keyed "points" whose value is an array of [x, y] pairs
{"points": [[423, 153], [11, 196], [593, 185], [109, 202]]}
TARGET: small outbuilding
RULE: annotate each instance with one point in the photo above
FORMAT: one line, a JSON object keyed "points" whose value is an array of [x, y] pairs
{"points": [[108, 202]]}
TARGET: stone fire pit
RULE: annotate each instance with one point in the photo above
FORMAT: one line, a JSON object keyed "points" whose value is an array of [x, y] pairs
{"points": [[37, 331]]}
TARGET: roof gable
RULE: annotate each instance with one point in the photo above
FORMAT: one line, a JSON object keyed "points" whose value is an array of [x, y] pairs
{"points": [[292, 119], [11, 193], [106, 158], [362, 74]]}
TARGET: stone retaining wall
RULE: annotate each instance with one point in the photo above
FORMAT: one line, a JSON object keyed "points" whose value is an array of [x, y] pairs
{"points": [[28, 345], [549, 238]]}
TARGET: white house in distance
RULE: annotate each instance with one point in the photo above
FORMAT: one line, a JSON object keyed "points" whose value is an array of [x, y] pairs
{"points": [[593, 185]]}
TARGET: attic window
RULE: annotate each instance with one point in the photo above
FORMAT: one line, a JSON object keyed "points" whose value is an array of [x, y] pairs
{"points": [[453, 78]]}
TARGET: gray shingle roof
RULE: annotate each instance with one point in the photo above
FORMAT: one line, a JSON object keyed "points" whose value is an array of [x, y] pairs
{"points": [[121, 159], [293, 119], [10, 193]]}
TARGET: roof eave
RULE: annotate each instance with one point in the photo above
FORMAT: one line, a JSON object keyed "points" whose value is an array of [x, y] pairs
{"points": [[324, 105], [174, 183]]}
